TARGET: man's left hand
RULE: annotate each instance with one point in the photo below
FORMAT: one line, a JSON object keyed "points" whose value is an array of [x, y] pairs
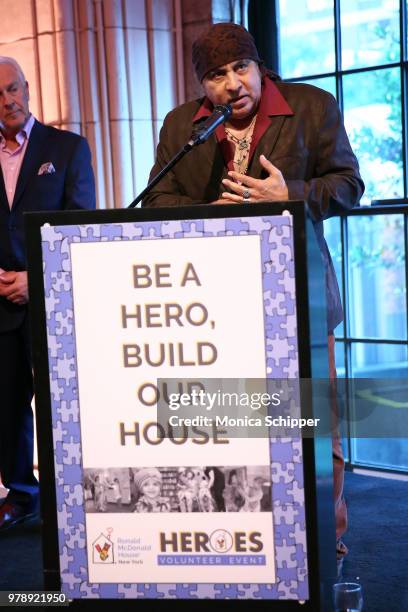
{"points": [[14, 286], [272, 189]]}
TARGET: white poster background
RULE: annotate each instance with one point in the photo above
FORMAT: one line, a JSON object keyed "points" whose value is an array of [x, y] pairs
{"points": [[229, 270], [230, 274]]}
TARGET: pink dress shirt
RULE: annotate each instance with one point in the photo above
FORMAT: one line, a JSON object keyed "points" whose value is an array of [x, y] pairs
{"points": [[11, 160]]}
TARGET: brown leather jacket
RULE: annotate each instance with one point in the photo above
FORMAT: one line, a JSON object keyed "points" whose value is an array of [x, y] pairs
{"points": [[310, 147]]}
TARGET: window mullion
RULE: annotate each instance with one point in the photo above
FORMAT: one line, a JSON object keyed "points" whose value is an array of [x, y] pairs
{"points": [[337, 47], [403, 30], [404, 76]]}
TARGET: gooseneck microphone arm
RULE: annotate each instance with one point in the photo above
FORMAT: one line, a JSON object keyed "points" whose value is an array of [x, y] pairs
{"points": [[220, 114]]}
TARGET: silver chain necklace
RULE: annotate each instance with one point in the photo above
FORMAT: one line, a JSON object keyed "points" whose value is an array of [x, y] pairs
{"points": [[242, 146]]}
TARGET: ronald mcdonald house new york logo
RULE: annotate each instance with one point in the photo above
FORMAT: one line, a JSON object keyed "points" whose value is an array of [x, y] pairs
{"points": [[103, 548]]}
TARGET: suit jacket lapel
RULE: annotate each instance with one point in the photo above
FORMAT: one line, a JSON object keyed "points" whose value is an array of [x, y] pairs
{"points": [[3, 194], [32, 159], [266, 145], [212, 166], [211, 154], [272, 113]]}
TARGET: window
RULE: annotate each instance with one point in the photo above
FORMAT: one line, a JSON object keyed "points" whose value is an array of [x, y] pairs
{"points": [[357, 50], [372, 342], [354, 49]]}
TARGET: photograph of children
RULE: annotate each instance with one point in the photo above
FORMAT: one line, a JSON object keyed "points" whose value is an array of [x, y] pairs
{"points": [[234, 493], [149, 483], [187, 490], [195, 489], [178, 489], [116, 492], [248, 489], [224, 489], [107, 490]]}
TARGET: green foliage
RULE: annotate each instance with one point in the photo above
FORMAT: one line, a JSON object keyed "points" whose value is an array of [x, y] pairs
{"points": [[377, 242], [380, 87]]}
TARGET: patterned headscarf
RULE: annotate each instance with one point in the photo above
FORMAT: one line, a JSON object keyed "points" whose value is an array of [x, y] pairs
{"points": [[221, 44]]}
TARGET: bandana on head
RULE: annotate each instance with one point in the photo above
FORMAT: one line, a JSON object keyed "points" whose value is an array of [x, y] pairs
{"points": [[221, 44]]}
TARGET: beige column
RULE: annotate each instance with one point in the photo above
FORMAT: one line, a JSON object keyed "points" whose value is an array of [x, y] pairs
{"points": [[108, 69]]}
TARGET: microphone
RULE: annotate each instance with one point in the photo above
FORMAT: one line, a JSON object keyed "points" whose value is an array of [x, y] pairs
{"points": [[219, 115]]}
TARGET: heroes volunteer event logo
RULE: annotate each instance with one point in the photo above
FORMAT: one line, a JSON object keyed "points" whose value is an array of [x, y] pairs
{"points": [[221, 547]]}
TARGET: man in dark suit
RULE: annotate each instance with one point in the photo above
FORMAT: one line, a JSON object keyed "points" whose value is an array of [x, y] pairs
{"points": [[42, 169], [283, 141]]}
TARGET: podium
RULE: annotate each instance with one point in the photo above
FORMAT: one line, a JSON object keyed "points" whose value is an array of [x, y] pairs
{"points": [[122, 300]]}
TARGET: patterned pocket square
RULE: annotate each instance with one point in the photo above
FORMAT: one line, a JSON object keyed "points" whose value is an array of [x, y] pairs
{"points": [[47, 168]]}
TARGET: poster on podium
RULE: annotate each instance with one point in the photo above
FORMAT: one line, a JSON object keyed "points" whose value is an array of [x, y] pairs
{"points": [[186, 313]]}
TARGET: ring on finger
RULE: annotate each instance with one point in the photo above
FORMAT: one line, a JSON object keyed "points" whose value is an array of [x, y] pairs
{"points": [[246, 195]]}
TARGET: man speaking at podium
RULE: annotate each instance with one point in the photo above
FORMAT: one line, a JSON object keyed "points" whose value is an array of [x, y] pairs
{"points": [[41, 169], [283, 141]]}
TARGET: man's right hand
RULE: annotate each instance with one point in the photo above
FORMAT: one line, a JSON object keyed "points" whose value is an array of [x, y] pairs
{"points": [[6, 278], [14, 286], [223, 201]]}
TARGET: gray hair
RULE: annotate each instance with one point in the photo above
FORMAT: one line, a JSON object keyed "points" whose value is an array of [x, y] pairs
{"points": [[12, 62]]}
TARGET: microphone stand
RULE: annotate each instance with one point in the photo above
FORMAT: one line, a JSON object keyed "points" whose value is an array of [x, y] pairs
{"points": [[221, 114], [186, 149]]}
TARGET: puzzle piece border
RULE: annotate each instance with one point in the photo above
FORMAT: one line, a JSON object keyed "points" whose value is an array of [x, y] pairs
{"points": [[276, 237]]}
